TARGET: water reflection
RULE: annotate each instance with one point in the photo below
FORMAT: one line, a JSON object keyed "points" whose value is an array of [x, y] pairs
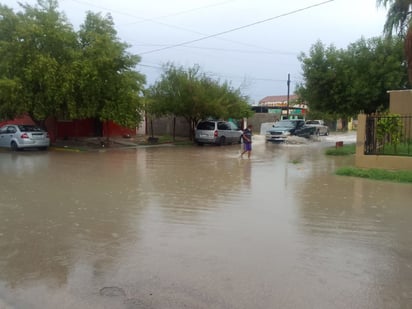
{"points": [[198, 227]]}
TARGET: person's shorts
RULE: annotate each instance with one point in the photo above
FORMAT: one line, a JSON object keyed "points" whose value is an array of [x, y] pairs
{"points": [[247, 146]]}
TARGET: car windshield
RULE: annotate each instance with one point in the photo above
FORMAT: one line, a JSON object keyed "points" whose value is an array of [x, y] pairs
{"points": [[312, 122], [284, 123], [29, 128]]}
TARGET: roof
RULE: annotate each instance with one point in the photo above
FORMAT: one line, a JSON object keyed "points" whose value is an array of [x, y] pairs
{"points": [[278, 98]]}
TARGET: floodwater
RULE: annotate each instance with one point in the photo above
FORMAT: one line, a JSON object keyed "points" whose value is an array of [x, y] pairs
{"points": [[198, 227]]}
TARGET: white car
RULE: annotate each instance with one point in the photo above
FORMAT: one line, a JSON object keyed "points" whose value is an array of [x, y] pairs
{"points": [[19, 137], [217, 132], [321, 128]]}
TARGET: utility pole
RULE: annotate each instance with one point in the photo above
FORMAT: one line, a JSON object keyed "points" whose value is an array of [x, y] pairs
{"points": [[287, 112]]}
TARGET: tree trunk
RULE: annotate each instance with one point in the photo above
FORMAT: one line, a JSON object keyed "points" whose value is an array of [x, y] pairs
{"points": [[408, 53], [174, 128]]}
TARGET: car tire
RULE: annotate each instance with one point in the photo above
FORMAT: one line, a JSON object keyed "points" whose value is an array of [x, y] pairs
{"points": [[14, 146], [222, 141]]}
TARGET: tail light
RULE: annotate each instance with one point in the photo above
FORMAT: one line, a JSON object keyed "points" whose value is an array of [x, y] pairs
{"points": [[215, 134], [24, 135]]}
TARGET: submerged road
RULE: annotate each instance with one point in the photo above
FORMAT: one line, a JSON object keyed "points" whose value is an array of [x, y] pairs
{"points": [[198, 227]]}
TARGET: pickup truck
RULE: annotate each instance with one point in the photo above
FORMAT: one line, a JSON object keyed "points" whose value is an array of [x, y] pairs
{"points": [[321, 128], [282, 129]]}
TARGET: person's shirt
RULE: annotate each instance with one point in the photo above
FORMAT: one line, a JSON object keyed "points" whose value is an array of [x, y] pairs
{"points": [[248, 134]]}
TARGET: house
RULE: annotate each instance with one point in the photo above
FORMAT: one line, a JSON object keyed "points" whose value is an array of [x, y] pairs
{"points": [[284, 106], [69, 129]]}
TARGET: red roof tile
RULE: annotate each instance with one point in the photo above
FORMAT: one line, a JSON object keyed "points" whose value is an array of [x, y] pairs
{"points": [[277, 99]]}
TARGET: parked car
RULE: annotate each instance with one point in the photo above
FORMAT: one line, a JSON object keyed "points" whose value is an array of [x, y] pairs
{"points": [[217, 132], [321, 128], [282, 129], [19, 137]]}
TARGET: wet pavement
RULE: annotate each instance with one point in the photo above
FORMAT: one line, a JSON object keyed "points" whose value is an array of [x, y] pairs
{"points": [[198, 227]]}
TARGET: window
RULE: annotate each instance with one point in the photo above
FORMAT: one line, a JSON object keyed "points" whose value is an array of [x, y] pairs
{"points": [[29, 128], [223, 126], [233, 126], [11, 130], [206, 125]]}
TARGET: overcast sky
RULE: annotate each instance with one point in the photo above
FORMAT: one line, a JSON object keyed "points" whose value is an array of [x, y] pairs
{"points": [[253, 44]]}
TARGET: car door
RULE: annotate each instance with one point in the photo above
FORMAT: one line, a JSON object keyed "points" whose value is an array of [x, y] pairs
{"points": [[6, 135], [235, 132], [224, 130], [3, 131]]}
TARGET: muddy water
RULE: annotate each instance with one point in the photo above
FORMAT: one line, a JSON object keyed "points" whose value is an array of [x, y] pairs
{"points": [[183, 227]]}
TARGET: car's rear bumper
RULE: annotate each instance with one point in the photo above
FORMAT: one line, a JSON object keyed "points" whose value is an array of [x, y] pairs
{"points": [[34, 143], [206, 140]]}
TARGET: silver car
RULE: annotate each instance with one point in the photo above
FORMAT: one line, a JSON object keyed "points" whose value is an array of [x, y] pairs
{"points": [[217, 132], [19, 137]]}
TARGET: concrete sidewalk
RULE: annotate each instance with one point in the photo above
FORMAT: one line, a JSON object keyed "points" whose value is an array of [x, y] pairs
{"points": [[99, 143]]}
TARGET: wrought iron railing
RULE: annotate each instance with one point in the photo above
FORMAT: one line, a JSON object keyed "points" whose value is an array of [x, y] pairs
{"points": [[388, 134]]}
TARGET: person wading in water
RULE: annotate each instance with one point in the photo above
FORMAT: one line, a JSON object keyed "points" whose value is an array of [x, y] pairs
{"points": [[247, 141]]}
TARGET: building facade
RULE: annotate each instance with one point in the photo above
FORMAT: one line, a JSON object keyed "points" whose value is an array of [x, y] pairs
{"points": [[284, 106]]}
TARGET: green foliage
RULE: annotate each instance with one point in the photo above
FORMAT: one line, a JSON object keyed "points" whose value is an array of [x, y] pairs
{"points": [[402, 149], [107, 86], [341, 151], [398, 16], [37, 49], [47, 69], [344, 82], [389, 130], [191, 94], [376, 174]]}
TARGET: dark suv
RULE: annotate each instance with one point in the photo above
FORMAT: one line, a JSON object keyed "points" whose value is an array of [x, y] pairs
{"points": [[282, 129], [217, 132]]}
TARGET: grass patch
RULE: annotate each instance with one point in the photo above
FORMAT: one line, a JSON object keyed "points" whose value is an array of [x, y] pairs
{"points": [[404, 149], [346, 150], [376, 174]]}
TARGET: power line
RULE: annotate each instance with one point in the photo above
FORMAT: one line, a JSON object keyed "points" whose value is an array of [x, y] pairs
{"points": [[262, 79], [231, 50], [237, 28], [153, 20]]}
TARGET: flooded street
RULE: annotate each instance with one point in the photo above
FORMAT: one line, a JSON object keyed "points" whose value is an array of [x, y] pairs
{"points": [[198, 227]]}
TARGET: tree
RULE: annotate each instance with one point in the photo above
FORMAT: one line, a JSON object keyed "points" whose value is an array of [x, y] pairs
{"points": [[399, 20], [191, 94], [107, 86], [398, 17], [344, 82], [47, 69], [37, 48]]}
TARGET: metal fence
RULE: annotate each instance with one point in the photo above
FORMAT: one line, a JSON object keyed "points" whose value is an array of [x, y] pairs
{"points": [[388, 134]]}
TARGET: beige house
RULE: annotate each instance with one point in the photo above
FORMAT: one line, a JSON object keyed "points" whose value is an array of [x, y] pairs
{"points": [[400, 103]]}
